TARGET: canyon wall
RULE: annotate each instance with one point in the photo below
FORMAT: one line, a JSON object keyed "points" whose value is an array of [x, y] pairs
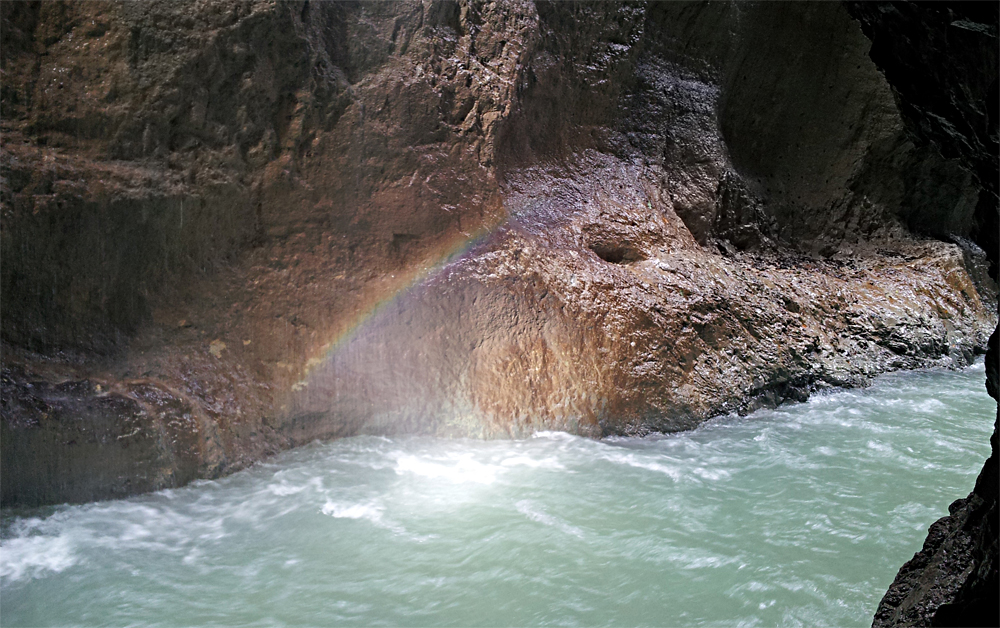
{"points": [[942, 64], [233, 227]]}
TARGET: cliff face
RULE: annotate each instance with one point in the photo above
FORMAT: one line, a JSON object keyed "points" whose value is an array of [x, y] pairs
{"points": [[941, 61], [234, 227]]}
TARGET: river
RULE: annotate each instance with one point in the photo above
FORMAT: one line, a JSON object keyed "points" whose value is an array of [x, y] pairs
{"points": [[794, 516]]}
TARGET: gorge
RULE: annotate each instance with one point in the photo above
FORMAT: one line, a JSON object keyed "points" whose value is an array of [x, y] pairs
{"points": [[234, 227]]}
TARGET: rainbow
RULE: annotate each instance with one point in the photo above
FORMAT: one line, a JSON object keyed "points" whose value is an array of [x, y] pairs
{"points": [[391, 289]]}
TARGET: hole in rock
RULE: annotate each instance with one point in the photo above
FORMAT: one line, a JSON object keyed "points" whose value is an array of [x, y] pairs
{"points": [[617, 253]]}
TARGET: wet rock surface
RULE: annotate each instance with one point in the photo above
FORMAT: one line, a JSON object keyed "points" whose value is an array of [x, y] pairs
{"points": [[263, 223], [603, 325], [79, 440], [945, 80]]}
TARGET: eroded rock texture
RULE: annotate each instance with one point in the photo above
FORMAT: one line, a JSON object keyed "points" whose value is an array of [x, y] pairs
{"points": [[275, 222], [941, 61]]}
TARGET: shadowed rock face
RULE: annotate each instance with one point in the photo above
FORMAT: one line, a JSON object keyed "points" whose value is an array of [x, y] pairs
{"points": [[135, 437], [289, 221], [945, 80]]}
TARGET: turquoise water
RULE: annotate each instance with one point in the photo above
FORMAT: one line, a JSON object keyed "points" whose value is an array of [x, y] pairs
{"points": [[798, 516]]}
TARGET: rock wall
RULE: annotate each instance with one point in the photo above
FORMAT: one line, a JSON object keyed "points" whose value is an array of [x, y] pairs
{"points": [[232, 227], [945, 80]]}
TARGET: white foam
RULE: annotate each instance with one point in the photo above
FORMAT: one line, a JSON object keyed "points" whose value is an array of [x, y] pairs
{"points": [[930, 406], [710, 474], [633, 461], [882, 448], [551, 435], [526, 508], [371, 512], [33, 556], [534, 463], [284, 488], [945, 444], [979, 366], [464, 469]]}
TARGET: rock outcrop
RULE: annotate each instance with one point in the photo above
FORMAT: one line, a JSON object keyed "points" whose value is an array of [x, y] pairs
{"points": [[942, 63], [237, 226]]}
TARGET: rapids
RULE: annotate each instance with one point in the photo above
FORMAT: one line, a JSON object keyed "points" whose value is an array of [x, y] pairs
{"points": [[794, 516]]}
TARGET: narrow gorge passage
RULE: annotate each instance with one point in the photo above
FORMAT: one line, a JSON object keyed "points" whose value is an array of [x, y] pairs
{"points": [[793, 516], [234, 228]]}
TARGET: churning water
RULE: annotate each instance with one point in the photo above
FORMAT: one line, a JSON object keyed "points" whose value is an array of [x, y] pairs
{"points": [[798, 516]]}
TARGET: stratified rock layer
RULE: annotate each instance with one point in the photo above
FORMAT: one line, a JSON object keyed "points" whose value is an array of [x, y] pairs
{"points": [[241, 225]]}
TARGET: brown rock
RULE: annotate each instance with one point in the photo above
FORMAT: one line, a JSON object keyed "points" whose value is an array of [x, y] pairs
{"points": [[453, 218]]}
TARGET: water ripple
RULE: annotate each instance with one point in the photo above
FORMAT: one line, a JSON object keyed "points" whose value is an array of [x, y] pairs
{"points": [[794, 516]]}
